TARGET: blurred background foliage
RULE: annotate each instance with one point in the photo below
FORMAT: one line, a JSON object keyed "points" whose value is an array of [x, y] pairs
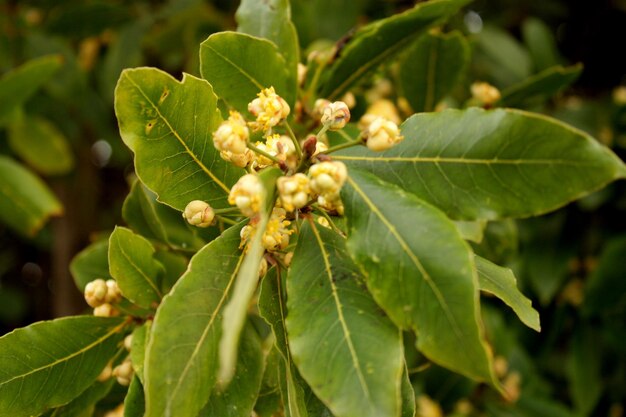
{"points": [[571, 263]]}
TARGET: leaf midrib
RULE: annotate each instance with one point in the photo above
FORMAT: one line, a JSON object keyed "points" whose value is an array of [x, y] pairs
{"points": [[446, 160], [237, 67], [177, 136], [140, 271], [341, 318]]}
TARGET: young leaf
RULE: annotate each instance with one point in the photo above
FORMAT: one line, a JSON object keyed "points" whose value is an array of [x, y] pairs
{"points": [[238, 399], [169, 125], [34, 361], [138, 348], [541, 44], [187, 328], [272, 20], [132, 264], [502, 56], [430, 286], [477, 164], [431, 68], [408, 395], [239, 66], [91, 263], [21, 83], [246, 282], [350, 354], [540, 86], [379, 42], [134, 403], [501, 282], [26, 202], [154, 220], [41, 144]]}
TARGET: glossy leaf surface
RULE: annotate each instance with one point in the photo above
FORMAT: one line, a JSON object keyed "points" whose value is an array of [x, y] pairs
{"points": [[476, 164], [430, 286], [348, 352], [169, 125], [91, 263]]}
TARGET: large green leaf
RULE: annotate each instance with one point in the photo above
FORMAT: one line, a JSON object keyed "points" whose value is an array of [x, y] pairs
{"points": [[85, 404], [246, 282], [419, 270], [138, 348], [238, 399], [41, 145], [132, 264], [169, 125], [48, 364], [154, 220], [239, 66], [187, 329], [25, 201], [501, 282], [134, 403], [272, 20], [540, 86], [21, 83], [345, 348], [379, 42], [431, 68], [477, 164]]}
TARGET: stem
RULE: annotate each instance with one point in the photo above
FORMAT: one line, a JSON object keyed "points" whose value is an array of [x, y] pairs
{"points": [[265, 154], [294, 139], [356, 142], [321, 132], [226, 210], [227, 220]]}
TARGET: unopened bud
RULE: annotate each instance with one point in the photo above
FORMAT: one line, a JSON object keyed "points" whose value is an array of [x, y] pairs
{"points": [[382, 134], [302, 69], [114, 295], [262, 268], [293, 191], [95, 292], [199, 213], [247, 195], [124, 372], [336, 115], [485, 93], [105, 310], [269, 109], [105, 374], [232, 135], [128, 342], [327, 177]]}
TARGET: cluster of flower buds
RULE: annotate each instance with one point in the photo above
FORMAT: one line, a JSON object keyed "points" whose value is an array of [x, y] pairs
{"points": [[279, 146], [325, 181], [101, 295], [276, 235], [247, 195], [199, 213], [293, 191], [269, 109], [381, 134], [485, 93], [124, 372]]}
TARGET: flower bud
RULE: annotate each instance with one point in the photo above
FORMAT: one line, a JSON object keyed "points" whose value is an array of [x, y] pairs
{"points": [[128, 342], [124, 372], [331, 202], [232, 135], [288, 258], [114, 295], [327, 177], [247, 195], [276, 235], [238, 159], [382, 134], [95, 292], [105, 310], [336, 115], [619, 95], [485, 93], [105, 374], [199, 213], [293, 191], [269, 109], [318, 108], [302, 70], [379, 108], [262, 268], [279, 146]]}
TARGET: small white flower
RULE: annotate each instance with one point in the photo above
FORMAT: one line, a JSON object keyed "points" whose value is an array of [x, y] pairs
{"points": [[199, 213], [247, 195], [382, 134], [232, 135]]}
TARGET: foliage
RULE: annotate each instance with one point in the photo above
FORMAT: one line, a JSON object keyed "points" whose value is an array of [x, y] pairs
{"points": [[371, 293]]}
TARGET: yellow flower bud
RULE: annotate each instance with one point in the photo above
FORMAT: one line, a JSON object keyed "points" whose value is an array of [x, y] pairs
{"points": [[276, 236], [106, 310], [336, 115], [269, 109], [331, 202], [128, 342], [238, 159], [95, 292], [124, 372], [105, 374], [382, 134], [485, 93], [293, 191], [262, 268], [114, 295], [318, 108], [247, 195], [302, 70], [279, 146], [232, 135], [327, 177], [199, 213]]}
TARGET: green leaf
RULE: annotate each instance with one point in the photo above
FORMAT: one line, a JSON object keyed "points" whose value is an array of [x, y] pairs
{"points": [[154, 220], [41, 145], [583, 366], [91, 263], [379, 42], [26, 202], [20, 84], [247, 279], [138, 348], [238, 399], [540, 86], [187, 329], [345, 348], [477, 164], [169, 125], [431, 68], [503, 59], [430, 287], [132, 264], [175, 266], [85, 403], [134, 403], [408, 395], [272, 20], [473, 231], [606, 288], [501, 282], [239, 66], [34, 361], [541, 44]]}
